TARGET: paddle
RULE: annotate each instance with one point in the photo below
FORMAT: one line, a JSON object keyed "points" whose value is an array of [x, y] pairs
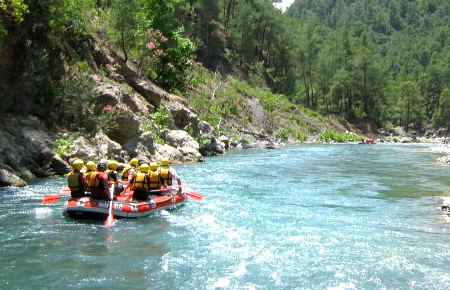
{"points": [[191, 194], [55, 197], [169, 188], [195, 195], [110, 219], [50, 198]]}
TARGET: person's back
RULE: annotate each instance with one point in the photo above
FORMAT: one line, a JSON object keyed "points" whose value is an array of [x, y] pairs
{"points": [[112, 176], [76, 181], [140, 183], [90, 167], [128, 171], [168, 173], [98, 182], [156, 180]]}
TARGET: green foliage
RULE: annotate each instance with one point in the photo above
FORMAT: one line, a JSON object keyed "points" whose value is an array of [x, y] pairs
{"points": [[166, 60], [283, 134], [153, 54], [70, 17], [330, 135], [147, 126], [62, 145], [410, 101], [212, 119], [291, 132], [385, 60], [158, 139], [109, 115], [165, 52], [161, 118], [15, 9], [154, 129], [70, 101], [441, 117], [124, 20], [300, 136], [269, 100]]}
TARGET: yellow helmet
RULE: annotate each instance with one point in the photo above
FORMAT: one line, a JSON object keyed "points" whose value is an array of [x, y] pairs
{"points": [[165, 162], [78, 164], [134, 162], [112, 164], [90, 165], [144, 168], [153, 166]]}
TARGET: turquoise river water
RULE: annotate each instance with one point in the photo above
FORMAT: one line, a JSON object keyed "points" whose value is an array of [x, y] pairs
{"points": [[301, 217]]}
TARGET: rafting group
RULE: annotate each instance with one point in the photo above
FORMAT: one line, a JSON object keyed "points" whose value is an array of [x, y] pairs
{"points": [[98, 191], [136, 181], [367, 141]]}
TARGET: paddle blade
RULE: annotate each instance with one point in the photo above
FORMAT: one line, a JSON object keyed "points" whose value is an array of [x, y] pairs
{"points": [[64, 190], [50, 198], [109, 220], [195, 195]]}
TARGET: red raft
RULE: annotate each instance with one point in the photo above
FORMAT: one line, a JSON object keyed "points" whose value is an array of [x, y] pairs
{"points": [[89, 208]]}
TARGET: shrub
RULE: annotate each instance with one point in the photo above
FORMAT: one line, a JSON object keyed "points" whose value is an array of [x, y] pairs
{"points": [[62, 145], [330, 135], [161, 118], [107, 120]]}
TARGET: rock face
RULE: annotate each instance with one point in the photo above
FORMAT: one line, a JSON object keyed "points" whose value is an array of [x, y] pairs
{"points": [[9, 179], [120, 125], [27, 147], [26, 151]]}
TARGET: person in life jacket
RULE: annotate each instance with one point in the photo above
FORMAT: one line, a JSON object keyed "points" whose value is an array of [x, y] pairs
{"points": [[113, 176], [98, 182], [156, 180], [169, 174], [140, 183], [76, 181], [90, 166], [128, 171]]}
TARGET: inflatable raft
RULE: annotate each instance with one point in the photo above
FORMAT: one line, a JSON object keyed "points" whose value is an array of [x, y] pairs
{"points": [[89, 208]]}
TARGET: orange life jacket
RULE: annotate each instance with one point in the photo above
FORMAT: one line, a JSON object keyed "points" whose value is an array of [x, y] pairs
{"points": [[141, 181], [94, 179], [155, 180], [166, 175]]}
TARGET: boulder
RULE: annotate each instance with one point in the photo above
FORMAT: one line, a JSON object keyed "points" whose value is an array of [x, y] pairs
{"points": [[9, 179], [126, 126], [206, 130], [225, 142], [179, 138], [59, 166], [106, 94], [213, 148]]}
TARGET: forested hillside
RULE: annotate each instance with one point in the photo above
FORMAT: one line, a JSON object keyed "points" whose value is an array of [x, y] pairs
{"points": [[384, 60]]}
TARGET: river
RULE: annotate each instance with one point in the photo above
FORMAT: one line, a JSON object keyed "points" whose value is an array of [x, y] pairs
{"points": [[301, 217]]}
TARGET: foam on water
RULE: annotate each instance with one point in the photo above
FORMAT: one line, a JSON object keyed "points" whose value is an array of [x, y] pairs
{"points": [[304, 217]]}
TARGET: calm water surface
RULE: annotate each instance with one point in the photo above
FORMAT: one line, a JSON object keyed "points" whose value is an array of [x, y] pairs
{"points": [[303, 217]]}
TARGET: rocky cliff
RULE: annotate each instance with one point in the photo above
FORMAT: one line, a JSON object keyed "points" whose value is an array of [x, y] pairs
{"points": [[125, 116], [29, 146]]}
